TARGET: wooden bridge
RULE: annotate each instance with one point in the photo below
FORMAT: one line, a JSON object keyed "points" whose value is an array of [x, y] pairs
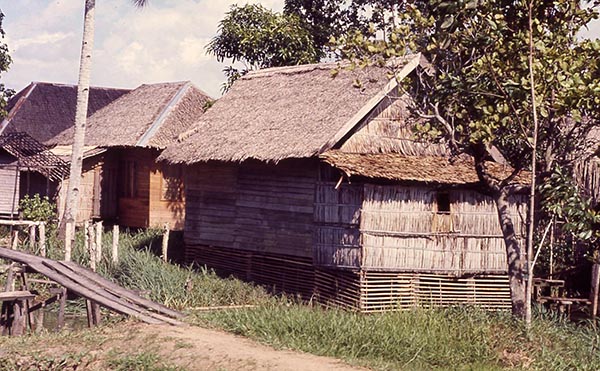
{"points": [[91, 286]]}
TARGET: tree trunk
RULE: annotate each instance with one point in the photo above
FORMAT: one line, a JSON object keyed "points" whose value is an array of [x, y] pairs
{"points": [[83, 87], [514, 255]]}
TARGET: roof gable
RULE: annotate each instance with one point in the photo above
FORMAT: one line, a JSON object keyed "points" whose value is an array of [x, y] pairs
{"points": [[286, 112]]}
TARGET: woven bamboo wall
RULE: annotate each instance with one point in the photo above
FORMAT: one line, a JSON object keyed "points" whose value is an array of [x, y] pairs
{"points": [[403, 230]]}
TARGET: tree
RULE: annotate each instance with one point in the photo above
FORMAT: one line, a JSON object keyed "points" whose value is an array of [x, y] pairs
{"points": [[5, 62], [260, 38], [83, 87], [478, 95]]}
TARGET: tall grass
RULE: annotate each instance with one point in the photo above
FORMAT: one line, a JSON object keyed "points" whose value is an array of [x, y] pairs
{"points": [[421, 339]]}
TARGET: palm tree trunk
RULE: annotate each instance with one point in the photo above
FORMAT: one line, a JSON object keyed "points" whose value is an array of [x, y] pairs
{"points": [[83, 88]]}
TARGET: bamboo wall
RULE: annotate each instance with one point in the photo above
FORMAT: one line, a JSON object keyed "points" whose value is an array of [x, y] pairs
{"points": [[88, 196], [252, 206]]}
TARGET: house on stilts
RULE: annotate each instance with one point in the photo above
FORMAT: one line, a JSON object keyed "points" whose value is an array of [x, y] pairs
{"points": [[121, 180], [315, 184]]}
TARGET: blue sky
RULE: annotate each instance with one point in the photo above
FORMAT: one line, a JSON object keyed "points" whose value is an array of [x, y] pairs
{"points": [[162, 42]]}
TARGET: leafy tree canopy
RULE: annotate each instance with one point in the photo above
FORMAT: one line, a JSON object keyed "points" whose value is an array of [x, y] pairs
{"points": [[5, 62], [260, 38]]}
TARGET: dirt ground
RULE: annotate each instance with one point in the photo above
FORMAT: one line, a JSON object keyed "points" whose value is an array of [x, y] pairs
{"points": [[196, 348], [134, 346]]}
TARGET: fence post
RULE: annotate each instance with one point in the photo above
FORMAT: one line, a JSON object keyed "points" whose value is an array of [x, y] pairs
{"points": [[99, 242], [68, 236], [115, 244], [14, 239], [91, 242], [32, 236], [165, 242], [42, 239]]}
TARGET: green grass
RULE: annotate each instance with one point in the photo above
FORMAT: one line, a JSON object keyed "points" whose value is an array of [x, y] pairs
{"points": [[421, 339]]}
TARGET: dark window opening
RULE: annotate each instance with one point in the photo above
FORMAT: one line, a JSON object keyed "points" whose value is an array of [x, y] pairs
{"points": [[443, 202]]}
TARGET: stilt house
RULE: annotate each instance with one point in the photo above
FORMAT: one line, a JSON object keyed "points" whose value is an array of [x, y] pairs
{"points": [[315, 184], [124, 139]]}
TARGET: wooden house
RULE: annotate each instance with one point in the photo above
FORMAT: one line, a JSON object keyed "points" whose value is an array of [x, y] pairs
{"points": [[121, 179], [42, 111], [314, 184]]}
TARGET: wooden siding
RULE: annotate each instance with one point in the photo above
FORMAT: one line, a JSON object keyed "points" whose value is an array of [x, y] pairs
{"points": [[165, 208], [252, 206], [9, 191], [134, 208], [337, 219]]}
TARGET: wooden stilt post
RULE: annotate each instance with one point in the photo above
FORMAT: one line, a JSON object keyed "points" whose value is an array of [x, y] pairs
{"points": [[60, 323], [165, 243], [115, 244]]}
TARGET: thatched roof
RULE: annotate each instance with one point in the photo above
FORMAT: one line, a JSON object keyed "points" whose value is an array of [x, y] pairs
{"points": [[285, 112], [34, 155], [43, 110], [430, 169], [151, 115]]}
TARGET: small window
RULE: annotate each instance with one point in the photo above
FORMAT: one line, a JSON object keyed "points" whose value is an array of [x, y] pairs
{"points": [[443, 202]]}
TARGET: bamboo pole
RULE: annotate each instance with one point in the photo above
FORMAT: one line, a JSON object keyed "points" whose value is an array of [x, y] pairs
{"points": [[115, 244], [165, 242], [595, 289]]}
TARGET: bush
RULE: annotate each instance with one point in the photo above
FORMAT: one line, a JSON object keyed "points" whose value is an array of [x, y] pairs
{"points": [[38, 209]]}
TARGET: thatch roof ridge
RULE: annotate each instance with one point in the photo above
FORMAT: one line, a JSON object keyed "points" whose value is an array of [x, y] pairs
{"points": [[284, 112], [137, 118], [43, 110]]}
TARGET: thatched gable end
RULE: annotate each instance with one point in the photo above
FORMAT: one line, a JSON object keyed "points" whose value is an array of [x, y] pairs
{"points": [[44, 110], [285, 112], [429, 169], [151, 115]]}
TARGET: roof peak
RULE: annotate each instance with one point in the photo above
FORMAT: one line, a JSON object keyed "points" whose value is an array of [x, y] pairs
{"points": [[60, 84]]}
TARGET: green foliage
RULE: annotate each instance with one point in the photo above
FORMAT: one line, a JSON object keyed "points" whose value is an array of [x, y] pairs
{"points": [[421, 339], [5, 62], [36, 208], [260, 38]]}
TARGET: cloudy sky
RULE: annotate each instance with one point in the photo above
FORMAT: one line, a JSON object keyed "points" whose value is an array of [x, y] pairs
{"points": [[162, 42]]}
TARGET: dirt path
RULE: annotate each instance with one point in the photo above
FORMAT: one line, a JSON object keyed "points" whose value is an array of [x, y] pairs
{"points": [[196, 348]]}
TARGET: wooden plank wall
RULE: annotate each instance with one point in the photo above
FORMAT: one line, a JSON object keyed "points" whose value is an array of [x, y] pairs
{"points": [[87, 191], [337, 218], [134, 211], [252, 206], [9, 191], [163, 211]]}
